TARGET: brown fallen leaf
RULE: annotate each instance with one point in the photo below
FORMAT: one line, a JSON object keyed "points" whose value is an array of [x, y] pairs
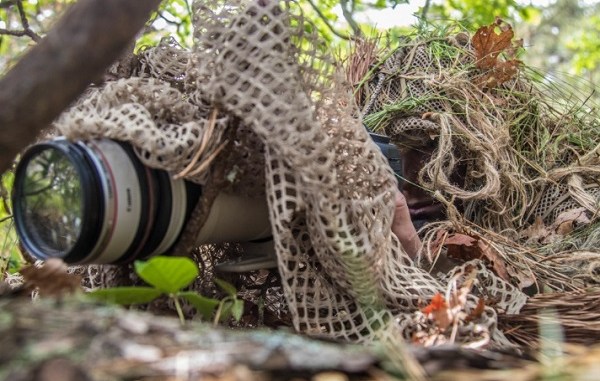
{"points": [[477, 311], [566, 222], [51, 279], [488, 44], [499, 74], [536, 232], [466, 248]]}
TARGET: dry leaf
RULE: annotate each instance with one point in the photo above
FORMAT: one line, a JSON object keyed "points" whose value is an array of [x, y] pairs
{"points": [[523, 280], [513, 49], [502, 72], [566, 221], [466, 248], [458, 239], [438, 311], [488, 44], [477, 311], [494, 259], [536, 232], [51, 279]]}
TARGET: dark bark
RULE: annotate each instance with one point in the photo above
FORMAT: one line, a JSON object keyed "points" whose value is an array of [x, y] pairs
{"points": [[87, 39]]}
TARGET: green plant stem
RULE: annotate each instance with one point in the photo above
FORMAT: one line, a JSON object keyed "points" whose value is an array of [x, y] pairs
{"points": [[178, 308], [219, 311]]}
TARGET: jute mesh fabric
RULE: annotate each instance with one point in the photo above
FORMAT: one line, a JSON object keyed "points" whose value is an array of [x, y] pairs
{"points": [[439, 112], [257, 84], [511, 178]]}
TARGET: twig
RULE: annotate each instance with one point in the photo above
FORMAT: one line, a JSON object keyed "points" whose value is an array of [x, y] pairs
{"points": [[25, 22], [26, 31], [348, 15], [326, 21]]}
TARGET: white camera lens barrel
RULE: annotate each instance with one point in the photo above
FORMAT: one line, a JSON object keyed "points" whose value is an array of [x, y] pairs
{"points": [[95, 202]]}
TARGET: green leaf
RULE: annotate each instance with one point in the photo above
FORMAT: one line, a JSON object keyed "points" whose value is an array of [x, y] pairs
{"points": [[125, 295], [226, 286], [202, 304], [168, 274], [237, 309]]}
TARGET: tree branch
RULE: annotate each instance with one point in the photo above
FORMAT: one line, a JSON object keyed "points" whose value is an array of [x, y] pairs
{"points": [[349, 16], [87, 39], [25, 23], [7, 4], [26, 29], [425, 10], [326, 21]]}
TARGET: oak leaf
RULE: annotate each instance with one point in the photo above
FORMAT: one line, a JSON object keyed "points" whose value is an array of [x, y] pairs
{"points": [[488, 44]]}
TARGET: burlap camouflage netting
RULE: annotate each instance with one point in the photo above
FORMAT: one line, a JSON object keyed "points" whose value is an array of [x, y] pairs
{"points": [[255, 99], [528, 147]]}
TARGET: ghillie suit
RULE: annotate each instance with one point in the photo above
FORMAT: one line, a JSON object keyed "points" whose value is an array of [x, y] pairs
{"points": [[526, 148], [258, 109]]}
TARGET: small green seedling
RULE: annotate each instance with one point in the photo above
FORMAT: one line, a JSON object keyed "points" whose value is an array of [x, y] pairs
{"points": [[168, 276], [230, 305]]}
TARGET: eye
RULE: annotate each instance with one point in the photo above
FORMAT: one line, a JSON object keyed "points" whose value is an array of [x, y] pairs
{"points": [[431, 145]]}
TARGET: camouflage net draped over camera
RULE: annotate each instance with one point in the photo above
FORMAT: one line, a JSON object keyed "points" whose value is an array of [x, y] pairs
{"points": [[257, 93]]}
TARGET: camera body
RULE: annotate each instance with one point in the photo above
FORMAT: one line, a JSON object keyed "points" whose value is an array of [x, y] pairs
{"points": [[95, 202]]}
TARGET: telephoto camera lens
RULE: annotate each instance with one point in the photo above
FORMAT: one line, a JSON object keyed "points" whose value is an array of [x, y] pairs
{"points": [[95, 202]]}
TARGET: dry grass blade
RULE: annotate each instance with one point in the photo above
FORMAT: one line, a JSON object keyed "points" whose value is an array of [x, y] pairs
{"points": [[577, 314], [364, 54]]}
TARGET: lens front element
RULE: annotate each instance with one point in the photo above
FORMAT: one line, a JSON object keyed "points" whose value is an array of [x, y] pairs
{"points": [[95, 202], [52, 201]]}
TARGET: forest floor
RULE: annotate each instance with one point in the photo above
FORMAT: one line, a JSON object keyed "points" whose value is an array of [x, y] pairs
{"points": [[71, 339]]}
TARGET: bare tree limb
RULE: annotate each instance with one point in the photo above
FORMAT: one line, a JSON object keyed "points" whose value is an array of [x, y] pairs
{"points": [[25, 23], [26, 29], [326, 21], [348, 12], [87, 39]]}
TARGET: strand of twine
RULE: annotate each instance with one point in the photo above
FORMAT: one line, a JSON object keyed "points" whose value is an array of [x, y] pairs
{"points": [[208, 132]]}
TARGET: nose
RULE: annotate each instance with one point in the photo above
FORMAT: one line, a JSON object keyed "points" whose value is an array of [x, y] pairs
{"points": [[412, 162], [420, 202], [416, 196]]}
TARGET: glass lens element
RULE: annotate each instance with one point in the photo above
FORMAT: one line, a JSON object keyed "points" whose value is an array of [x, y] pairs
{"points": [[52, 202]]}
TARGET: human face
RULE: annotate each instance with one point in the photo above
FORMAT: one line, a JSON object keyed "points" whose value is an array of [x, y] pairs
{"points": [[422, 206]]}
